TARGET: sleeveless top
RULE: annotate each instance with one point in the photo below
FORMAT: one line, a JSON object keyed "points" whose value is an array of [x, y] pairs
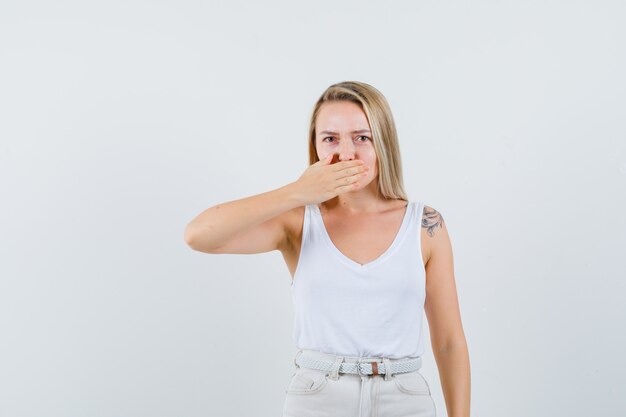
{"points": [[345, 308]]}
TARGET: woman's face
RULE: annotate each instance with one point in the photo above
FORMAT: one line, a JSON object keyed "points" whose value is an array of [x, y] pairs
{"points": [[342, 129]]}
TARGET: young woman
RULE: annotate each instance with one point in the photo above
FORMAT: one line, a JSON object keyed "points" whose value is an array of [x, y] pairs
{"points": [[365, 261]]}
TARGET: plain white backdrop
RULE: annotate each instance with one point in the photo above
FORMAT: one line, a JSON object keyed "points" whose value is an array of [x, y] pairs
{"points": [[122, 120]]}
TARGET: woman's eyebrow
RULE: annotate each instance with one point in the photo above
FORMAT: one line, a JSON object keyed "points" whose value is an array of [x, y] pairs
{"points": [[328, 132]]}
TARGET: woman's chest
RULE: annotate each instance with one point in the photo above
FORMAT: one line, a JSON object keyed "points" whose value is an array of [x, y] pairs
{"points": [[361, 240]]}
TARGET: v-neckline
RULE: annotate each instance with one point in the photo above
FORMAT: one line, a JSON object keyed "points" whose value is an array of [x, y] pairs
{"points": [[354, 264]]}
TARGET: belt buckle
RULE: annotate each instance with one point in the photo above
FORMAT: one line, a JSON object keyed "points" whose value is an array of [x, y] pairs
{"points": [[358, 367]]}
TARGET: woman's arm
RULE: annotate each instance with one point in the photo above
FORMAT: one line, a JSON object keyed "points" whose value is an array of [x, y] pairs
{"points": [[444, 318], [247, 225], [255, 224]]}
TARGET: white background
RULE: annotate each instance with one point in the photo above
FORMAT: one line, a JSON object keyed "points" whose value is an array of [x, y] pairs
{"points": [[122, 120]]}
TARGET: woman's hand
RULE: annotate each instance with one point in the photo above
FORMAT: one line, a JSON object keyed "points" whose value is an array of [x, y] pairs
{"points": [[323, 180]]}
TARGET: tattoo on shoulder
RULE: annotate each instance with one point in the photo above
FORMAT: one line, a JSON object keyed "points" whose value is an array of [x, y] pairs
{"points": [[431, 219]]}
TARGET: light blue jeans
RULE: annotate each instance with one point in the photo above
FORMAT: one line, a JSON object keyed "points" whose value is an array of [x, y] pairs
{"points": [[315, 393]]}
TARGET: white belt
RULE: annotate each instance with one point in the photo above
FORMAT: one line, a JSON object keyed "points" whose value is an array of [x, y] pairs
{"points": [[361, 368]]}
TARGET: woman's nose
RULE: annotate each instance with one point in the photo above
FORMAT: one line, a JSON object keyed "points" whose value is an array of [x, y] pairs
{"points": [[346, 151], [346, 157]]}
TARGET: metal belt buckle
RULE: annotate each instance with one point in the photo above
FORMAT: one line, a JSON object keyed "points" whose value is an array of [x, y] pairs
{"points": [[358, 367]]}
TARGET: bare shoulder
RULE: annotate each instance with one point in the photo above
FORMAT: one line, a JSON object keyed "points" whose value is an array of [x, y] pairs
{"points": [[434, 233], [431, 220]]}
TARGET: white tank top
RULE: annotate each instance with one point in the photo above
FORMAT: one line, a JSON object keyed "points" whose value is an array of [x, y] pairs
{"points": [[345, 308]]}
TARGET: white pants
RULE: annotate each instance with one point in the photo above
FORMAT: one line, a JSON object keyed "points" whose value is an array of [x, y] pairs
{"points": [[316, 393]]}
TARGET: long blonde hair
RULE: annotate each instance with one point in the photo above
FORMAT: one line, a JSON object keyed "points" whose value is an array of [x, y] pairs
{"points": [[382, 125]]}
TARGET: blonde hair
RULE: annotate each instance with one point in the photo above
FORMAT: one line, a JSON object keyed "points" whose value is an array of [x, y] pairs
{"points": [[382, 125]]}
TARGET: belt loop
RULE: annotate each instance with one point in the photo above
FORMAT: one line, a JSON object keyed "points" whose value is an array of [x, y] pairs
{"points": [[334, 370], [387, 364], [295, 359]]}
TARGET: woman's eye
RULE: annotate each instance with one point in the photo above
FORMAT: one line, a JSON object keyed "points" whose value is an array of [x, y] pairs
{"points": [[331, 137]]}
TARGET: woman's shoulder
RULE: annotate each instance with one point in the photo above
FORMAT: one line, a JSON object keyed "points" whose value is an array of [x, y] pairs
{"points": [[434, 232], [432, 219]]}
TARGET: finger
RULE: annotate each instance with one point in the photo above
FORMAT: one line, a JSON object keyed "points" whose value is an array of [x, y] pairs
{"points": [[326, 161], [347, 187], [348, 164], [353, 170], [347, 180]]}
